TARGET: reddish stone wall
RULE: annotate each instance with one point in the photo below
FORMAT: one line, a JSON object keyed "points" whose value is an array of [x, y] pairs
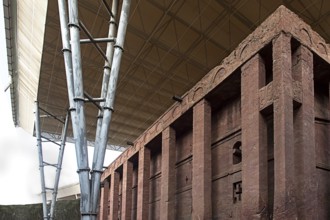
{"points": [[183, 170], [226, 171], [322, 140], [155, 181], [249, 141], [134, 192]]}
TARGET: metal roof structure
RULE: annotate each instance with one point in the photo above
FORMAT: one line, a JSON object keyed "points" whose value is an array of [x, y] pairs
{"points": [[169, 46]]}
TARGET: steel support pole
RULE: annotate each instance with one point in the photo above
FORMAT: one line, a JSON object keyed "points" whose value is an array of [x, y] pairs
{"points": [[102, 138], [104, 89], [107, 68], [41, 161], [72, 59], [79, 123], [67, 54], [59, 165]]}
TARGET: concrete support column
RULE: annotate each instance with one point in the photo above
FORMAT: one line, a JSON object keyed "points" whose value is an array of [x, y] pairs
{"points": [[304, 135], [143, 184], [201, 167], [284, 196], [167, 202], [114, 189], [254, 141], [127, 190], [103, 213]]}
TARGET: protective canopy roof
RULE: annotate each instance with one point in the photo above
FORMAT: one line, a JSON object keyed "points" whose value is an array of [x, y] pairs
{"points": [[169, 46]]}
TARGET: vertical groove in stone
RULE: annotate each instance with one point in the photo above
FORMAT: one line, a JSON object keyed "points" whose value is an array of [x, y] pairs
{"points": [[254, 141], [143, 184], [127, 190], [201, 167], [103, 213], [284, 197], [167, 202], [100, 214]]}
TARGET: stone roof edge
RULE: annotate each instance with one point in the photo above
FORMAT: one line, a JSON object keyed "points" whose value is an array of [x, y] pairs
{"points": [[282, 20]]}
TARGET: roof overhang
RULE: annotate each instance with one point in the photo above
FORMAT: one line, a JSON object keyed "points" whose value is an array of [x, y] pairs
{"points": [[9, 8], [170, 45], [25, 28]]}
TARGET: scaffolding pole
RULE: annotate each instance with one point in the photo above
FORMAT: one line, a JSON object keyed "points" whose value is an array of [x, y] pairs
{"points": [[48, 212], [41, 161], [59, 166]]}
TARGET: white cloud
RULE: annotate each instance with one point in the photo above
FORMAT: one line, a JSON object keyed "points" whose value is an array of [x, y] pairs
{"points": [[19, 167]]}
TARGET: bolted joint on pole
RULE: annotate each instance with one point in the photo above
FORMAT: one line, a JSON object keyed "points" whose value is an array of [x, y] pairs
{"points": [[96, 171], [92, 214], [108, 108], [83, 170], [66, 50], [113, 22], [119, 47], [74, 25], [107, 67], [79, 99]]}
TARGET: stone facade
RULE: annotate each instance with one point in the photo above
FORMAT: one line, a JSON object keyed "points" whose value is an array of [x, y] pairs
{"points": [[248, 141]]}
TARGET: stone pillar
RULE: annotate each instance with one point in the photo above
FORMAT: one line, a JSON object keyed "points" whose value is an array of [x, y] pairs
{"points": [[302, 68], [167, 202], [103, 213], [127, 190], [109, 196], [201, 167], [114, 189], [254, 141], [284, 197], [101, 206], [143, 184]]}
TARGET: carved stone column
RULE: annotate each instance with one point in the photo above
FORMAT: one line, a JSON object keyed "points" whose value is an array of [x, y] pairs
{"points": [[201, 168], [254, 141]]}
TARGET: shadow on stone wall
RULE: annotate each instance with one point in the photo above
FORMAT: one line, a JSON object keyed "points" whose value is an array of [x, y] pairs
{"points": [[64, 210]]}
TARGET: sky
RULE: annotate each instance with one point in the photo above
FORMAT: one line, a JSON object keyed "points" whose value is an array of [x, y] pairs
{"points": [[19, 166]]}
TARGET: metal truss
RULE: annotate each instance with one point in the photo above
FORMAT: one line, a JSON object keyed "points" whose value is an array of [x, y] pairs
{"points": [[48, 210], [57, 138], [70, 32]]}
